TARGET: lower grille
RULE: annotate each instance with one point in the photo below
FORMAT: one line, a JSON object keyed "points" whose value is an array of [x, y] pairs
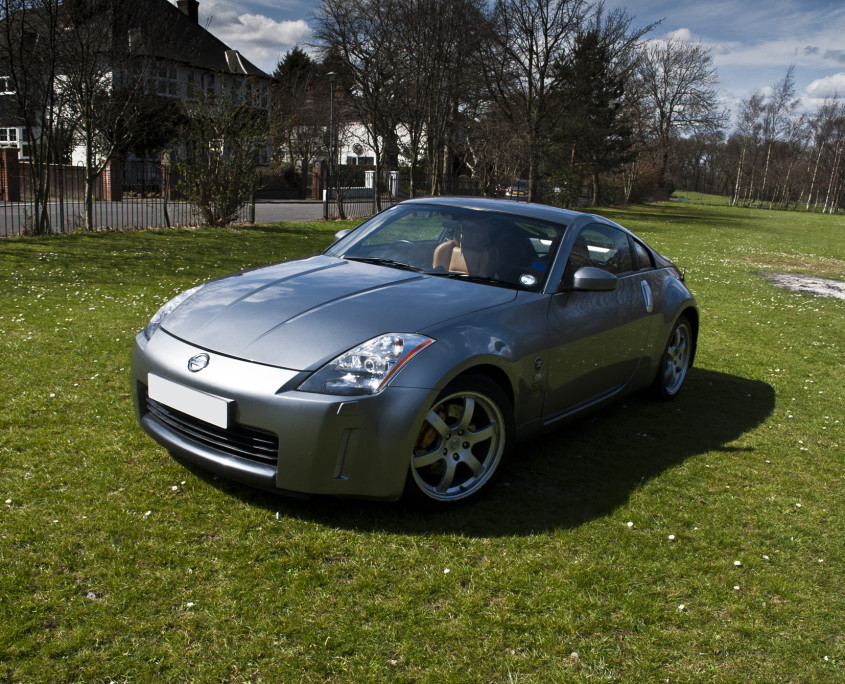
{"points": [[244, 442]]}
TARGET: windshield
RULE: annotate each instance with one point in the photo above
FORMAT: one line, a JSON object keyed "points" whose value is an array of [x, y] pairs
{"points": [[479, 245]]}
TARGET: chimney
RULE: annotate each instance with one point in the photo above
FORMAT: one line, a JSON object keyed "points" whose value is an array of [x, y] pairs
{"points": [[190, 8]]}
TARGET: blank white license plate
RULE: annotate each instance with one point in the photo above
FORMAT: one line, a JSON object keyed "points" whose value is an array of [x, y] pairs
{"points": [[201, 405]]}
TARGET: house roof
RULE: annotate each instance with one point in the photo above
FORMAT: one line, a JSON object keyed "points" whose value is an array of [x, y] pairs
{"points": [[168, 33]]}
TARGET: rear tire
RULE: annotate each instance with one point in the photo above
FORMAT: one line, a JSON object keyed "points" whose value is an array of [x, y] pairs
{"points": [[461, 445], [675, 361]]}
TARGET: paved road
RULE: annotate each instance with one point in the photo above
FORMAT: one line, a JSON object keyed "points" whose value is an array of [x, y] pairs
{"points": [[286, 210]]}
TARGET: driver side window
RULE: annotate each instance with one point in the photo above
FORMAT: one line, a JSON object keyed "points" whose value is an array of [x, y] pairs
{"points": [[603, 247]]}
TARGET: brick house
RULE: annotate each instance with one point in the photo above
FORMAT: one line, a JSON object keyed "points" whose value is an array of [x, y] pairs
{"points": [[180, 58]]}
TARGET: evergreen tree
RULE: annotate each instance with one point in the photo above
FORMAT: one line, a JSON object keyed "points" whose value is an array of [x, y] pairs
{"points": [[593, 136]]}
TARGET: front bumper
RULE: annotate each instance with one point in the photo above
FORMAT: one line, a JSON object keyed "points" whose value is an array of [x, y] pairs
{"points": [[341, 446]]}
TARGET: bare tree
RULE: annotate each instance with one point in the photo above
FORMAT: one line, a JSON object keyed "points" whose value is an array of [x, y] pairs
{"points": [[437, 42], [104, 82], [827, 128], [28, 54], [678, 79], [528, 38], [836, 176], [497, 147], [776, 120], [363, 33], [749, 126], [217, 166]]}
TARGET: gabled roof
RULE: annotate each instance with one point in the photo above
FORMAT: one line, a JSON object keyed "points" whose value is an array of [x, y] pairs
{"points": [[165, 31], [159, 29]]}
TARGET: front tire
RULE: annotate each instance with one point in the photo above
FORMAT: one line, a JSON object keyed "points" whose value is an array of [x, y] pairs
{"points": [[461, 445], [675, 361]]}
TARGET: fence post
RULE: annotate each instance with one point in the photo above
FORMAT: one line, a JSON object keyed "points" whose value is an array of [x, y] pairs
{"points": [[112, 182], [10, 180], [302, 171], [394, 184], [316, 182]]}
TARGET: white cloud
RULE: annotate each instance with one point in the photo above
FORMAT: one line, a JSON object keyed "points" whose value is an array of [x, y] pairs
{"points": [[827, 86], [682, 34]]}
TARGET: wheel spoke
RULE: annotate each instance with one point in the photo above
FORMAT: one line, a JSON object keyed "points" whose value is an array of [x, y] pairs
{"points": [[473, 464], [437, 423], [448, 476], [428, 459], [482, 435], [469, 410]]}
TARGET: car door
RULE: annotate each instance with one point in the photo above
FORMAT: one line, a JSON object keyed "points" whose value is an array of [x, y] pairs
{"points": [[596, 338]]}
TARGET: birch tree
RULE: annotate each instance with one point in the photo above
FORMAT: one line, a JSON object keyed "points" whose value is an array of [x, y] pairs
{"points": [[777, 111], [749, 125]]}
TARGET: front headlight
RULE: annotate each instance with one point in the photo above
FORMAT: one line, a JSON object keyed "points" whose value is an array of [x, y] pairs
{"points": [[369, 367], [161, 314]]}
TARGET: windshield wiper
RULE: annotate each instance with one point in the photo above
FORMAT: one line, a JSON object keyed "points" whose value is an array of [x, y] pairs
{"points": [[380, 261], [472, 278]]}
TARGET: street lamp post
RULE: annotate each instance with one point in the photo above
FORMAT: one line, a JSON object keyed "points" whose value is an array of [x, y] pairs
{"points": [[332, 75]]}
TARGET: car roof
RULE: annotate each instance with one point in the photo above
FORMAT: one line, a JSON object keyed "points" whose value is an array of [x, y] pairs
{"points": [[541, 212]]}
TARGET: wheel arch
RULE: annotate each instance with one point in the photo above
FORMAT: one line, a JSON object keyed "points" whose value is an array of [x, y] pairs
{"points": [[692, 316], [494, 373]]}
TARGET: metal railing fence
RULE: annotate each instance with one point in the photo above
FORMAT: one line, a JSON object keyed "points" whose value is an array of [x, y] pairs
{"points": [[145, 200]]}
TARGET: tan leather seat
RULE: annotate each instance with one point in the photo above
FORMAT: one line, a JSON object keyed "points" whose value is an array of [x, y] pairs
{"points": [[469, 252]]}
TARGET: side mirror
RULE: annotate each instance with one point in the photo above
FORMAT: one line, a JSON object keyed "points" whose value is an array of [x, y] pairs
{"points": [[339, 235], [592, 279]]}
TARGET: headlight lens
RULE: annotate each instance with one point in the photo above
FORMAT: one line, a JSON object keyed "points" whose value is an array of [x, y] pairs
{"points": [[369, 367], [161, 314]]}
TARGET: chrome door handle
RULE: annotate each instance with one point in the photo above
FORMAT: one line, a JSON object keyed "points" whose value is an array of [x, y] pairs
{"points": [[649, 300]]}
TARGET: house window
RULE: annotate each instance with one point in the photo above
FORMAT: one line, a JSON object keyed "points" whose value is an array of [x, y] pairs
{"points": [[8, 137], [167, 83], [12, 138], [6, 87]]}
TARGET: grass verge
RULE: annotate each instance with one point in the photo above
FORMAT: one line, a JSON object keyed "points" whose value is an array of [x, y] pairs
{"points": [[696, 541]]}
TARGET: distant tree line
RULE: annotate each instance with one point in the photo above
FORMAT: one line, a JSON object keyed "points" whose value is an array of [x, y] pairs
{"points": [[775, 156]]}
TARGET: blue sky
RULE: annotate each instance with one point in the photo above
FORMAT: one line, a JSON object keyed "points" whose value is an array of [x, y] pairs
{"points": [[753, 42]]}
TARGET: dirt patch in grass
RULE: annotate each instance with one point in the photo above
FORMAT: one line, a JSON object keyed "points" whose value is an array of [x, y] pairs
{"points": [[821, 287], [818, 266]]}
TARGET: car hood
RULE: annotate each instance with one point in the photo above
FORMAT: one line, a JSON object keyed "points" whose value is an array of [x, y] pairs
{"points": [[301, 314]]}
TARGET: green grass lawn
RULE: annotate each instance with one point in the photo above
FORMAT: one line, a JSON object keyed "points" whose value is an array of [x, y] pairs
{"points": [[697, 541]]}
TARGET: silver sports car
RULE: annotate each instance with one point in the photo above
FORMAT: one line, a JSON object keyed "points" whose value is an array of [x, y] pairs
{"points": [[408, 357]]}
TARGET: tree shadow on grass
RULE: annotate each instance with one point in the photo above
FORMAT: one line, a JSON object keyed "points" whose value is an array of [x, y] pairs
{"points": [[581, 472]]}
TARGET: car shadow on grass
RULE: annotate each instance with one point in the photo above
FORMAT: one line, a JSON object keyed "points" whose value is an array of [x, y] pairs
{"points": [[581, 472]]}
